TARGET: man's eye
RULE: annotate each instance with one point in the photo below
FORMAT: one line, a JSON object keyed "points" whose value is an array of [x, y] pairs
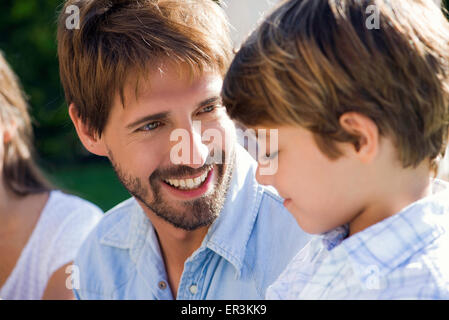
{"points": [[150, 126], [207, 109]]}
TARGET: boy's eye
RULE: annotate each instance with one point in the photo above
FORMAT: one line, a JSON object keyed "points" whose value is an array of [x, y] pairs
{"points": [[271, 155], [150, 126]]}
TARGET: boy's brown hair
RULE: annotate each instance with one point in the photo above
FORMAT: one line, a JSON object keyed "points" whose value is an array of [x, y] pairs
{"points": [[311, 61], [20, 173], [119, 38]]}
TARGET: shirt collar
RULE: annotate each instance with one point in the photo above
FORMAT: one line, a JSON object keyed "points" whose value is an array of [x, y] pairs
{"points": [[227, 236], [116, 233], [389, 243], [333, 238]]}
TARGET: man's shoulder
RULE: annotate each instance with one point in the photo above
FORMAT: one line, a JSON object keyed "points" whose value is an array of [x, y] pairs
{"points": [[103, 259], [272, 193], [276, 238], [271, 210], [275, 223], [122, 208], [113, 224]]}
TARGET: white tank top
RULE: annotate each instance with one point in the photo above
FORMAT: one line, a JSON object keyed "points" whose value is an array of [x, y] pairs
{"points": [[64, 223]]}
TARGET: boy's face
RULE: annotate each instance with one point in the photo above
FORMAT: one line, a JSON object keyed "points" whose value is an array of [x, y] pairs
{"points": [[173, 176], [320, 193]]}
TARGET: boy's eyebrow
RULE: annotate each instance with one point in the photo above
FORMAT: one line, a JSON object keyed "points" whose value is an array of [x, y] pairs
{"points": [[267, 133], [151, 117]]}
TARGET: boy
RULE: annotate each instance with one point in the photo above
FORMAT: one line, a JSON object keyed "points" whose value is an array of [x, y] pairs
{"points": [[358, 91]]}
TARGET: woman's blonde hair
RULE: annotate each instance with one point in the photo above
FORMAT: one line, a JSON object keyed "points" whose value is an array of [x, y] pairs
{"points": [[311, 61], [20, 173]]}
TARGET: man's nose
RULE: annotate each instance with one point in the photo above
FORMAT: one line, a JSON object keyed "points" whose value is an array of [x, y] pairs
{"points": [[190, 150], [198, 150]]}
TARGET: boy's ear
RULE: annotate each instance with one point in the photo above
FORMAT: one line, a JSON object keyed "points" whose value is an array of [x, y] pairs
{"points": [[367, 133], [90, 140]]}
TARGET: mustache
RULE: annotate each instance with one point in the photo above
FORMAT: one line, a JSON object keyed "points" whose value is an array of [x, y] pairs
{"points": [[181, 171], [178, 172]]}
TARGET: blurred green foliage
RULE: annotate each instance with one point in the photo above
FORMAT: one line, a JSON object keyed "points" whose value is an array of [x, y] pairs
{"points": [[28, 40], [94, 181], [27, 37]]}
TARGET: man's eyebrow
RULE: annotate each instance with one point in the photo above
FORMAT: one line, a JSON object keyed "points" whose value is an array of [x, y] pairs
{"points": [[152, 117], [164, 115], [208, 101]]}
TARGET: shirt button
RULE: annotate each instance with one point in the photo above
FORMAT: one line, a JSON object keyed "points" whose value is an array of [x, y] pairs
{"points": [[162, 285], [193, 289]]}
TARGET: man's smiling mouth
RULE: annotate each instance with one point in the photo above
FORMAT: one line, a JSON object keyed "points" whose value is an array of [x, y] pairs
{"points": [[190, 183]]}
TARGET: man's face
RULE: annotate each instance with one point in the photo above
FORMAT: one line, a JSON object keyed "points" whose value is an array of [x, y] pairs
{"points": [[165, 122]]}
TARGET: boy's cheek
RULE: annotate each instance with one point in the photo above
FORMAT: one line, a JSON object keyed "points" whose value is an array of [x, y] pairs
{"points": [[268, 167], [262, 178]]}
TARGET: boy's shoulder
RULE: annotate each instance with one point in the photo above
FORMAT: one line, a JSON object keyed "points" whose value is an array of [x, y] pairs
{"points": [[418, 268], [425, 275], [412, 247]]}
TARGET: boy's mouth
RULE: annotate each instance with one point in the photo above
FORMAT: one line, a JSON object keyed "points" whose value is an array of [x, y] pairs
{"points": [[287, 202]]}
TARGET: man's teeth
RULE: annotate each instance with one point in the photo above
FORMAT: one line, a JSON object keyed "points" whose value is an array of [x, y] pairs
{"points": [[188, 183]]}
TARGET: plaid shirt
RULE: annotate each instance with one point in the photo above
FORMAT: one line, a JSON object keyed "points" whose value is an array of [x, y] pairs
{"points": [[405, 256]]}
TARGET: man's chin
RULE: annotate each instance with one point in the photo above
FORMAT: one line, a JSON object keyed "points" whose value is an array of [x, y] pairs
{"points": [[191, 214], [186, 215]]}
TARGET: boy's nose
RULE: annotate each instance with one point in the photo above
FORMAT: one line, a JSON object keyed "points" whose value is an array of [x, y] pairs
{"points": [[264, 179]]}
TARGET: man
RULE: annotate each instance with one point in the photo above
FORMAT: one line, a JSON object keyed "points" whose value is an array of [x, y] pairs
{"points": [[139, 75]]}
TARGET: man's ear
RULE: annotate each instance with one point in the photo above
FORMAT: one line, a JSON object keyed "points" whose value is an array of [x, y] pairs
{"points": [[90, 140], [367, 145]]}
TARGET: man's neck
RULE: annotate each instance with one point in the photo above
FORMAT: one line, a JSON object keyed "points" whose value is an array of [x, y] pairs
{"points": [[177, 245]]}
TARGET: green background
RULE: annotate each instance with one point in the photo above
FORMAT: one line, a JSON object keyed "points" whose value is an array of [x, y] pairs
{"points": [[27, 37], [28, 40]]}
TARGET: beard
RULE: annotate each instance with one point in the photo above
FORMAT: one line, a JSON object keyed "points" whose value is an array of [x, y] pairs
{"points": [[186, 215]]}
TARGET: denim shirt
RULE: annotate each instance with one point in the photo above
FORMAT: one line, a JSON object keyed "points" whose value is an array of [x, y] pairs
{"points": [[244, 251]]}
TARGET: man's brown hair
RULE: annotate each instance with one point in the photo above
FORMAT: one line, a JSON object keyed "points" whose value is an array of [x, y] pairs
{"points": [[118, 38], [20, 173], [311, 61]]}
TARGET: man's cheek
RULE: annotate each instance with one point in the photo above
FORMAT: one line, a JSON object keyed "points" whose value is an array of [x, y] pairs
{"points": [[229, 138]]}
